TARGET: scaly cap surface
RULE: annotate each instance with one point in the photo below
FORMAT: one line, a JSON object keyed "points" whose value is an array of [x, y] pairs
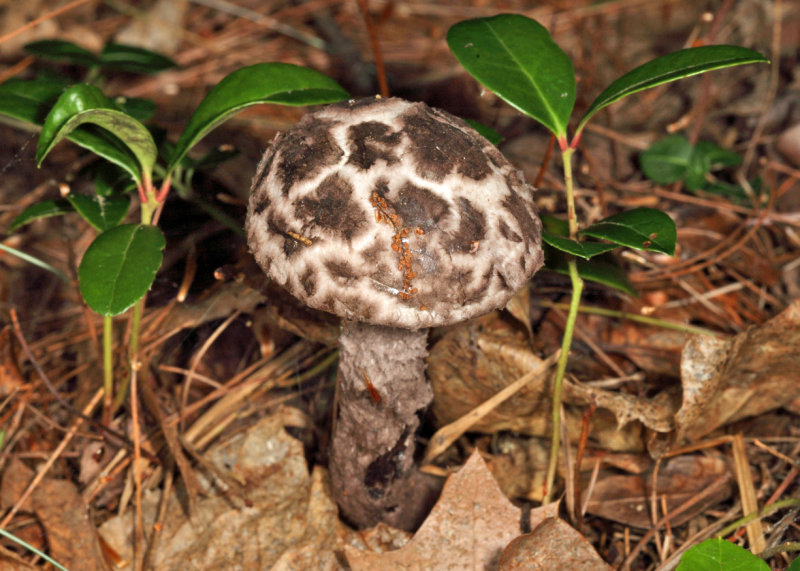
{"points": [[392, 213]]}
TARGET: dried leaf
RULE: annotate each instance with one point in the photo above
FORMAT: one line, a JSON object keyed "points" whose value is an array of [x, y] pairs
{"points": [[652, 349], [152, 29], [471, 364], [467, 529], [553, 544], [448, 434], [10, 376], [519, 307], [746, 375], [655, 413], [269, 507], [62, 513], [626, 499]]}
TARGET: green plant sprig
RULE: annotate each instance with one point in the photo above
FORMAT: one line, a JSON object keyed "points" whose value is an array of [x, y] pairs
{"points": [[675, 159], [517, 59], [121, 263]]}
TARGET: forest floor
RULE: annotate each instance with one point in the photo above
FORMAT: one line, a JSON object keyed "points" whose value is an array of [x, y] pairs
{"points": [[676, 428]]}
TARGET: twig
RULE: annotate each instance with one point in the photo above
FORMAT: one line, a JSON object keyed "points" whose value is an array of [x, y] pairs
{"points": [[267, 21], [747, 493], [187, 383], [772, 90], [776, 453], [446, 435], [53, 457], [709, 491], [587, 416], [122, 440], [636, 317], [17, 68], [376, 48], [764, 512], [545, 161], [137, 473], [40, 19], [674, 559]]}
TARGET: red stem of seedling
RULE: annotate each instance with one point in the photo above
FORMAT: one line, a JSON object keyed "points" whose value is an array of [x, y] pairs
{"points": [[164, 191], [376, 50], [142, 195], [576, 140]]}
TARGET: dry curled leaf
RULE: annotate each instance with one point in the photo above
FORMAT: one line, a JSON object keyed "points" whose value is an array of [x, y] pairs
{"points": [[467, 529], [652, 349], [746, 375], [268, 506], [10, 376], [471, 364], [553, 544], [71, 536], [626, 498]]}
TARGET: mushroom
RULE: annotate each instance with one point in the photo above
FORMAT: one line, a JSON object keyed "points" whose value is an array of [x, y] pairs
{"points": [[396, 217]]}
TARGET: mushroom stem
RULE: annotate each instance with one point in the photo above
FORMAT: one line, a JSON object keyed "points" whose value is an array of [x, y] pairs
{"points": [[382, 387]]}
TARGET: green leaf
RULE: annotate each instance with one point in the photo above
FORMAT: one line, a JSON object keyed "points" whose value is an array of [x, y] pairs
{"points": [[671, 67], [62, 51], [720, 555], [674, 158], [585, 250], [102, 212], [281, 83], [716, 157], [29, 100], [732, 192], [108, 178], [119, 267], [211, 159], [33, 260], [85, 103], [486, 132], [666, 160], [794, 565], [137, 107], [517, 59], [43, 209], [603, 269], [642, 229], [105, 145], [705, 158], [134, 59]]}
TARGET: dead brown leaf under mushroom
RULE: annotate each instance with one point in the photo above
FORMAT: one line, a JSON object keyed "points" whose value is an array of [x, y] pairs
{"points": [[469, 527], [371, 210], [722, 381], [469, 365]]}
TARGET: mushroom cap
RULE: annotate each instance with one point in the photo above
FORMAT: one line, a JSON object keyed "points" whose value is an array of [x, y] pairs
{"points": [[392, 213]]}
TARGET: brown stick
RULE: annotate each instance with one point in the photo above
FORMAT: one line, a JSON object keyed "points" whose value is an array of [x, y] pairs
{"points": [[40, 19], [376, 49]]}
